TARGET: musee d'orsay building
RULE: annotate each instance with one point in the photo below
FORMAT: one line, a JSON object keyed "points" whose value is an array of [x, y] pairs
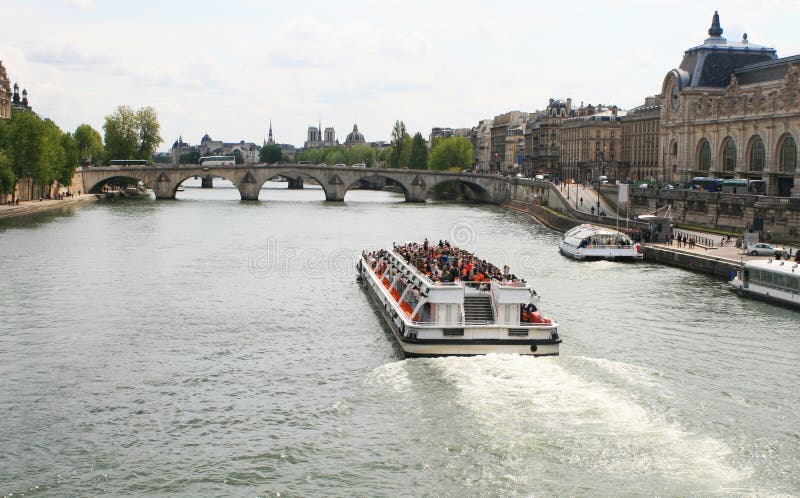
{"points": [[732, 110]]}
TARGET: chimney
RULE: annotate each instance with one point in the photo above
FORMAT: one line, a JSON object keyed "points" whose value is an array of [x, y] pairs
{"points": [[569, 104]]}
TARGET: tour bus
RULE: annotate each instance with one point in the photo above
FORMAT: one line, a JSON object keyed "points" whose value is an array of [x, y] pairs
{"points": [[218, 161], [128, 162], [744, 186], [707, 184]]}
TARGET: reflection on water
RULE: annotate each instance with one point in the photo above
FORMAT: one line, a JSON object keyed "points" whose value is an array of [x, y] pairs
{"points": [[213, 346]]}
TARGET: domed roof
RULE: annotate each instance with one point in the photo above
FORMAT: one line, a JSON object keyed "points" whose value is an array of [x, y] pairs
{"points": [[206, 138], [355, 135], [713, 62]]}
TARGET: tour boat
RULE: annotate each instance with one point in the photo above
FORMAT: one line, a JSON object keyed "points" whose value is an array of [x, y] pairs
{"points": [[771, 280], [593, 242], [457, 318]]}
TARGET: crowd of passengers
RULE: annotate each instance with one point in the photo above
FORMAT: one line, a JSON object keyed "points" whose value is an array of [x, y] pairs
{"points": [[606, 240], [441, 262]]}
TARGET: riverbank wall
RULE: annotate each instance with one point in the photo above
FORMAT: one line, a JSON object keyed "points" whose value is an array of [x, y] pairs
{"points": [[31, 207]]}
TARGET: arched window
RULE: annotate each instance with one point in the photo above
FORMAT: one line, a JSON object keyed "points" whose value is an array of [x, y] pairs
{"points": [[787, 157], [756, 162], [704, 156], [729, 155]]}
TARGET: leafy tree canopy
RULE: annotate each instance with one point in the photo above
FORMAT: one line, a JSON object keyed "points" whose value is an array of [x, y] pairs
{"points": [[131, 134], [270, 154], [451, 153], [418, 156]]}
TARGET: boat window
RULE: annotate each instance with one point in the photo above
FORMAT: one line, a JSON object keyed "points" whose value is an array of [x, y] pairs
{"points": [[794, 282], [453, 331], [779, 280]]}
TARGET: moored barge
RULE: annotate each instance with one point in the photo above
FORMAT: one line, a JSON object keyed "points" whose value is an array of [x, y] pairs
{"points": [[439, 300]]}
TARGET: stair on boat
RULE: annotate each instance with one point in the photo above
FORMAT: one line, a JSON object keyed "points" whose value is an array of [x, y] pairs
{"points": [[478, 310]]}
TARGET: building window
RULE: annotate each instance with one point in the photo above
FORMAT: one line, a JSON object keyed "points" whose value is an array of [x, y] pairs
{"points": [[704, 156], [788, 155], [729, 155], [757, 155]]}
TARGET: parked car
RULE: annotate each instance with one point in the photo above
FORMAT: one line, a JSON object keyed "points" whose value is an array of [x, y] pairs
{"points": [[761, 249]]}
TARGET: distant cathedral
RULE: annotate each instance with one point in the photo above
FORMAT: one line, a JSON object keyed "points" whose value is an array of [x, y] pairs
{"points": [[316, 140]]}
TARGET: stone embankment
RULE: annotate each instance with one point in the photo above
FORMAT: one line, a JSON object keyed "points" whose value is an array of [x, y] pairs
{"points": [[716, 262], [30, 207]]}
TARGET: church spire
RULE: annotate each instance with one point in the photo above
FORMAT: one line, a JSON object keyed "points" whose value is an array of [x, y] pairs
{"points": [[715, 30], [270, 140]]}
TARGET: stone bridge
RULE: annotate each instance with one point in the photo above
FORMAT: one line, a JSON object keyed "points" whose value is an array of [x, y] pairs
{"points": [[334, 180]]}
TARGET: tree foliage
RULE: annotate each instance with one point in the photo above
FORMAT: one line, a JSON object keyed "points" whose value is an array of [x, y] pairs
{"points": [[270, 154], [191, 157], [400, 149], [418, 156], [340, 155], [89, 144], [37, 150], [451, 153], [131, 134]]}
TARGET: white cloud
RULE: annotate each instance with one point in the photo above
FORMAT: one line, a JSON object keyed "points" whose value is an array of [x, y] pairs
{"points": [[80, 4]]}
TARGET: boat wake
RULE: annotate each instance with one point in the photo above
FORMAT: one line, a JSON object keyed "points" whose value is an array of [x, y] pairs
{"points": [[603, 420]]}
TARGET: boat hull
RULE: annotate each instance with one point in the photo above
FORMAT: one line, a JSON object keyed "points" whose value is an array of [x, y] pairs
{"points": [[766, 294]]}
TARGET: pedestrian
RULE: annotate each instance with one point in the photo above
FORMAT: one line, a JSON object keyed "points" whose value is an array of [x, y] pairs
{"points": [[581, 201]]}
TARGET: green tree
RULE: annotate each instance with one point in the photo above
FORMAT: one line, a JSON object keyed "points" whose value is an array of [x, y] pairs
{"points": [[149, 132], [131, 134], [67, 169], [418, 157], [454, 153], [191, 157], [401, 146], [360, 154], [7, 178], [237, 154], [270, 154], [89, 144]]}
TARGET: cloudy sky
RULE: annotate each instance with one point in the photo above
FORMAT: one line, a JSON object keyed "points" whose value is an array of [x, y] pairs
{"points": [[227, 68]]}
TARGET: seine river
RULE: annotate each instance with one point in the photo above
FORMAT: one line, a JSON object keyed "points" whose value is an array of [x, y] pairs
{"points": [[206, 346]]}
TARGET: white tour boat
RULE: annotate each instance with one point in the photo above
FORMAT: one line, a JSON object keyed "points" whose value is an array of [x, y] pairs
{"points": [[594, 242], [428, 317], [772, 280]]}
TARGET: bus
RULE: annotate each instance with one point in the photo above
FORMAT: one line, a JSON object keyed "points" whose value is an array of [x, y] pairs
{"points": [[734, 186], [218, 161], [128, 162], [744, 186], [707, 184]]}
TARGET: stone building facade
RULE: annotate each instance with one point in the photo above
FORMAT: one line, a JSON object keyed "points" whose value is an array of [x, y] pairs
{"points": [[542, 137], [481, 144], [732, 110], [499, 157], [640, 141], [5, 93], [591, 143]]}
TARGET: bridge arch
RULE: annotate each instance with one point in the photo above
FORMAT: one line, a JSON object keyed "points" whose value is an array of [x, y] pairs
{"points": [[373, 180], [296, 179], [97, 187], [458, 188], [204, 176]]}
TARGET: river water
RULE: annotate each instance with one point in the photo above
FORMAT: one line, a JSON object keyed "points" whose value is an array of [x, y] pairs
{"points": [[206, 346]]}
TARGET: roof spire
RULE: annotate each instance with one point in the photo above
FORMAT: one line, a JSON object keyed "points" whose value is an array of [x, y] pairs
{"points": [[715, 29]]}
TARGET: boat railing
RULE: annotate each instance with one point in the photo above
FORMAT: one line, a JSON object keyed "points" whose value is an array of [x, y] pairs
{"points": [[461, 325]]}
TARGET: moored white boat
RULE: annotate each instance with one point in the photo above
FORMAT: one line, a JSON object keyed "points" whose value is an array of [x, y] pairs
{"points": [[443, 318], [593, 242], [771, 280]]}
